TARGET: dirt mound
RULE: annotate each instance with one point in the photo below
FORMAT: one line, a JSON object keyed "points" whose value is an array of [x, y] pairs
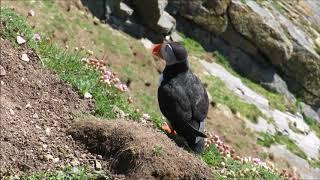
{"points": [[138, 151], [36, 109]]}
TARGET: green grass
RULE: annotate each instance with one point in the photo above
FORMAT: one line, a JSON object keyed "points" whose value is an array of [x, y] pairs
{"points": [[233, 168], [70, 69], [276, 100], [70, 173], [151, 107], [313, 124], [276, 5], [243, 1], [267, 140], [14, 25], [293, 127], [314, 163], [222, 94], [71, 26], [157, 151], [317, 48], [193, 47]]}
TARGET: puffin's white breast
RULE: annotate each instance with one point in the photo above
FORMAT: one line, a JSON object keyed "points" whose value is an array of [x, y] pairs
{"points": [[160, 79]]}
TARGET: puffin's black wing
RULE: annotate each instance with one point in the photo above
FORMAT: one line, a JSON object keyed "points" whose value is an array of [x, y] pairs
{"points": [[175, 105]]}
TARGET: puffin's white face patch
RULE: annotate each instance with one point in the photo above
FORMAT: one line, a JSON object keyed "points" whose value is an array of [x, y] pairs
{"points": [[167, 54]]}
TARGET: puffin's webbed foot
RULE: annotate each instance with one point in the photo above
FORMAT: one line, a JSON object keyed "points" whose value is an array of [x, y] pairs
{"points": [[168, 129]]}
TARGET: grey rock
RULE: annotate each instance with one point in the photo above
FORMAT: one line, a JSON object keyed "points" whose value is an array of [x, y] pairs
{"points": [[307, 141], [98, 165], [155, 17], [176, 37], [210, 15], [309, 112], [2, 71], [123, 11], [252, 65], [166, 23], [262, 28], [302, 165], [97, 7], [133, 28], [110, 7]]}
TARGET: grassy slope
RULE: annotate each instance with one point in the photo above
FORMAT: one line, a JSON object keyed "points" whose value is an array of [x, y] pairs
{"points": [[75, 28], [14, 24], [221, 94], [225, 167], [68, 66], [276, 100]]}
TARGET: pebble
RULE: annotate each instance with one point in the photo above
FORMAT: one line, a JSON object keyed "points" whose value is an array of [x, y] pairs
{"points": [[48, 157], [11, 112], [55, 160], [98, 165], [83, 156], [42, 139], [2, 82], [20, 40], [130, 100], [47, 131], [37, 37], [75, 162], [2, 71], [99, 157], [38, 127], [31, 13], [87, 95], [28, 106], [24, 57], [223, 164], [35, 116]]}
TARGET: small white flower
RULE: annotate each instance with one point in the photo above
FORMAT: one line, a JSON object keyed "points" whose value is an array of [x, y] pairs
{"points": [[87, 95], [36, 37], [31, 13]]}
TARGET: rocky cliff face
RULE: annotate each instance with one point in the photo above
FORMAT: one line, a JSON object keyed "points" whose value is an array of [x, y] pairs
{"points": [[274, 43], [281, 38]]}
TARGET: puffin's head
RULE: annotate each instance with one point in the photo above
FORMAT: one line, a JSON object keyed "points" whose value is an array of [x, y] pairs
{"points": [[172, 52]]}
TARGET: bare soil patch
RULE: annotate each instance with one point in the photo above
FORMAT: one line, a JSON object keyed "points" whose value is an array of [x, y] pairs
{"points": [[137, 151], [36, 110]]}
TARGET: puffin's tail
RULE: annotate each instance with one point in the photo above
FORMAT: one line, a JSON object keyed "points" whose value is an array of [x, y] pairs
{"points": [[195, 131]]}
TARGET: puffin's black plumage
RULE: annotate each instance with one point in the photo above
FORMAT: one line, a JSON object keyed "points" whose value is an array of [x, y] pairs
{"points": [[184, 101]]}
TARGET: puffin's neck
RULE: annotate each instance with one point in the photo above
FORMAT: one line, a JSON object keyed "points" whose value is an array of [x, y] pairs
{"points": [[171, 71]]}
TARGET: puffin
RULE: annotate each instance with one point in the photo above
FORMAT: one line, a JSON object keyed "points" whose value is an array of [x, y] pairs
{"points": [[182, 98]]}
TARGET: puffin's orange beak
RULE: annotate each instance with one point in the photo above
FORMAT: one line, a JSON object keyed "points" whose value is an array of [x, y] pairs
{"points": [[156, 50]]}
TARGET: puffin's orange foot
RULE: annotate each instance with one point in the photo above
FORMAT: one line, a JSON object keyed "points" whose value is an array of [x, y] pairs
{"points": [[167, 129]]}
